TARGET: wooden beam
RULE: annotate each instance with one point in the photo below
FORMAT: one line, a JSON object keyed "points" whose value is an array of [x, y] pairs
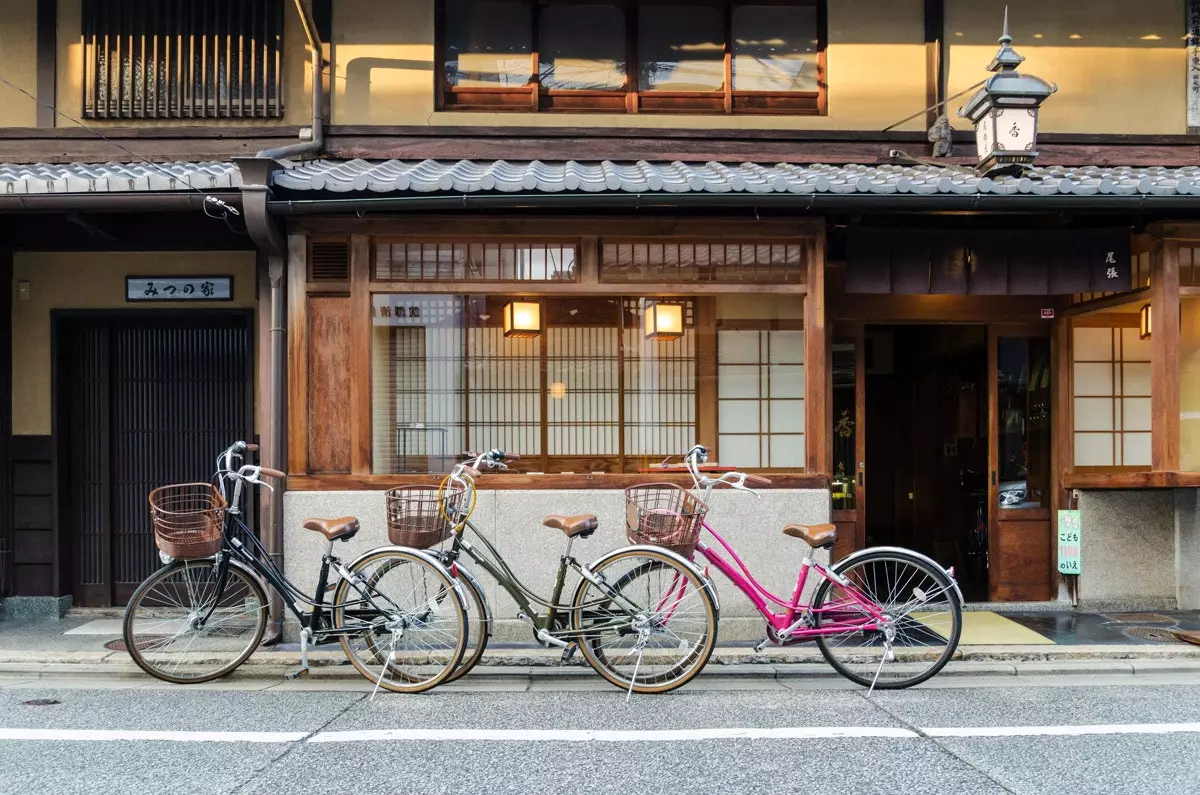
{"points": [[297, 434], [706, 376], [360, 355], [648, 290], [936, 54], [47, 62], [543, 228], [939, 308], [816, 361], [1133, 480], [1139, 296], [519, 482], [1164, 356]]}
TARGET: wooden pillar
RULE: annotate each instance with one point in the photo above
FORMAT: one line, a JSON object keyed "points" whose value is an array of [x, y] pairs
{"points": [[360, 355], [47, 62], [1164, 356], [936, 52], [297, 366], [816, 362]]}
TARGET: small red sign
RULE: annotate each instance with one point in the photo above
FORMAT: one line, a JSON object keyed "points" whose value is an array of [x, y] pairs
{"points": [[1047, 314]]}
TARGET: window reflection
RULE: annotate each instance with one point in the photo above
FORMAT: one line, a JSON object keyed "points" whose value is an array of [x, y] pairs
{"points": [[1023, 405]]}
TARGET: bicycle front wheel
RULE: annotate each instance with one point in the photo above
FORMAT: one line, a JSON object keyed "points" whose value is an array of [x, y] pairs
{"points": [[921, 627], [182, 626], [651, 623], [404, 622]]}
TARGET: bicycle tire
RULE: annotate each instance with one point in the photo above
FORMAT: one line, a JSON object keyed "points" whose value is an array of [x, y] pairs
{"points": [[156, 658], [418, 668], [479, 625], [646, 561], [923, 631]]}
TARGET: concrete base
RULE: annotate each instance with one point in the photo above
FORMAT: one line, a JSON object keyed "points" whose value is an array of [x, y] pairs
{"points": [[34, 608], [1128, 549], [512, 521]]}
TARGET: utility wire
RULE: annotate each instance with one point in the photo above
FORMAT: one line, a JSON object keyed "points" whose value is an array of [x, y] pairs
{"points": [[226, 208], [937, 105]]}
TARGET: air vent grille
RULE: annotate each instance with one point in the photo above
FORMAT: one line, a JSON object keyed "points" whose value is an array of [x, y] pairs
{"points": [[329, 261]]}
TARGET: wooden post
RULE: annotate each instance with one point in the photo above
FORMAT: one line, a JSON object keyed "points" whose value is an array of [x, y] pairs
{"points": [[297, 432], [360, 355], [816, 361], [1164, 356]]}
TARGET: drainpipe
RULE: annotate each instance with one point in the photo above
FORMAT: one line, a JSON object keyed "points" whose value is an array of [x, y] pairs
{"points": [[256, 180], [316, 139]]}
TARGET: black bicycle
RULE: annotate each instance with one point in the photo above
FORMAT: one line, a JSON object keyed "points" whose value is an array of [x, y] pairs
{"points": [[204, 613]]}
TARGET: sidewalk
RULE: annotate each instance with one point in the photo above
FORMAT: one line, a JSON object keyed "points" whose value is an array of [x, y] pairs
{"points": [[1010, 644]]}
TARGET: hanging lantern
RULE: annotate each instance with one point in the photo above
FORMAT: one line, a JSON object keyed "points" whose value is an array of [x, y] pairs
{"points": [[1005, 111], [1144, 322], [663, 321], [522, 319]]}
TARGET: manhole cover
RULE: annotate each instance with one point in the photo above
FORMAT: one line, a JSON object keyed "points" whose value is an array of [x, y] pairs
{"points": [[142, 645], [41, 702], [1141, 618], [1154, 634]]}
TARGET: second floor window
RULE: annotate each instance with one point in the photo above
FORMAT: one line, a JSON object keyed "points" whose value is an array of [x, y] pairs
{"points": [[692, 56], [182, 59]]}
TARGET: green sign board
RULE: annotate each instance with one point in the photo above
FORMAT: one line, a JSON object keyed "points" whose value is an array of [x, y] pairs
{"points": [[1068, 542]]}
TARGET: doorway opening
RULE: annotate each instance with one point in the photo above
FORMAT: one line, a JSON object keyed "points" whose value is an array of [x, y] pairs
{"points": [[142, 399], [927, 441]]}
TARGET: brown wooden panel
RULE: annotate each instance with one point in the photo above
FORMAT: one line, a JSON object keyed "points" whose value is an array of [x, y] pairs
{"points": [[34, 580], [846, 534], [359, 366], [329, 375], [33, 547], [816, 362], [297, 431], [1019, 567]]}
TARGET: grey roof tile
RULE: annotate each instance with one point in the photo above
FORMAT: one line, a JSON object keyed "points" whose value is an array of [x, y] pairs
{"points": [[41, 178]]}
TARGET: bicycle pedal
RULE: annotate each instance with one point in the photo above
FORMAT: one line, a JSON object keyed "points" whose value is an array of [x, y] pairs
{"points": [[296, 674], [568, 653]]}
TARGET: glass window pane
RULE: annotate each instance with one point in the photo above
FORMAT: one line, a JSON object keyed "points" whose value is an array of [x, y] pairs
{"points": [[1136, 378], [739, 451], [1133, 347], [1189, 383], [1136, 449], [488, 43], [738, 416], [738, 347], [1094, 378], [787, 416], [582, 47], [775, 48], [1023, 405], [737, 381], [1093, 344], [681, 48], [1093, 449], [1094, 414], [787, 451]]}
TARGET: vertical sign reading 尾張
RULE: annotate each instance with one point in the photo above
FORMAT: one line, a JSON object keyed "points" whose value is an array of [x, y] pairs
{"points": [[1068, 542], [1193, 66]]}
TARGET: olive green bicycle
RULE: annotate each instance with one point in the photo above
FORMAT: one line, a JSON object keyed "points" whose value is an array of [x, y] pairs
{"points": [[644, 618]]}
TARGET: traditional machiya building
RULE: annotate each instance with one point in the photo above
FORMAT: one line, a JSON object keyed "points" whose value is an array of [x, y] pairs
{"points": [[595, 234]]}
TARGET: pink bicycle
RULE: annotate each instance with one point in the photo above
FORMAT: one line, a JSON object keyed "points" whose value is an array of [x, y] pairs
{"points": [[883, 617]]}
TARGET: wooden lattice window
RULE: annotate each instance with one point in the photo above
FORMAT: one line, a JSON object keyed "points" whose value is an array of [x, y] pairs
{"points": [[590, 393], [625, 56], [1110, 380], [182, 59], [726, 262], [487, 261]]}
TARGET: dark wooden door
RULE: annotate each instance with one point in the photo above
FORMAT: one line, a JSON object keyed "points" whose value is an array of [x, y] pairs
{"points": [[848, 438], [148, 401], [1019, 453]]}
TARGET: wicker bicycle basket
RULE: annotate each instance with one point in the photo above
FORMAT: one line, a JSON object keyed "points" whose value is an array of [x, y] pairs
{"points": [[415, 516], [188, 519], [664, 515]]}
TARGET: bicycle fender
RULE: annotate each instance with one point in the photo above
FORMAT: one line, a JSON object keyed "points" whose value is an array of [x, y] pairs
{"points": [[418, 553], [853, 556], [708, 583], [467, 574]]}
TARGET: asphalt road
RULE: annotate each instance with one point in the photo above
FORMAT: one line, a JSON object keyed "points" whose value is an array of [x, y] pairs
{"points": [[1099, 734]]}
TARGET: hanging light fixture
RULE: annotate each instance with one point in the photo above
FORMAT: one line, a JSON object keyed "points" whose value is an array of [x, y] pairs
{"points": [[522, 319], [1144, 322], [663, 321]]}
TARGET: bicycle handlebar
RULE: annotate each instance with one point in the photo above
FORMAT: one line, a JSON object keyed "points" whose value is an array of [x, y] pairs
{"points": [[735, 480]]}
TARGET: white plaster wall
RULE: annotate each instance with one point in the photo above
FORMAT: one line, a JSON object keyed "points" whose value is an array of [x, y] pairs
{"points": [[1128, 549], [512, 521]]}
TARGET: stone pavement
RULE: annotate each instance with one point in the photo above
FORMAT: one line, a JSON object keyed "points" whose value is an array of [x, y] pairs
{"points": [[1013, 644]]}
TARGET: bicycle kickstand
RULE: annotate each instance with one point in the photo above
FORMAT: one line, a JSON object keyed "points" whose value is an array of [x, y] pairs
{"points": [[887, 656], [305, 634]]}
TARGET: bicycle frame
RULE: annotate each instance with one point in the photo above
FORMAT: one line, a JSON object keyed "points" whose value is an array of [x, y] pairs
{"points": [[796, 623], [490, 560]]}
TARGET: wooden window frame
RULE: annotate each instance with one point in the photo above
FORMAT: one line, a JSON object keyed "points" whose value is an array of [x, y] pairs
{"points": [[586, 233], [535, 98], [183, 74]]}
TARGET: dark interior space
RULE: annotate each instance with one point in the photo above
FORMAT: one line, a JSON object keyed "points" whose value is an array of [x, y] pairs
{"points": [[927, 443]]}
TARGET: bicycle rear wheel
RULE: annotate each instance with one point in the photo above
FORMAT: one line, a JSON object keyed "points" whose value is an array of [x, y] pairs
{"points": [[407, 622], [171, 634], [479, 625], [653, 624], [923, 617]]}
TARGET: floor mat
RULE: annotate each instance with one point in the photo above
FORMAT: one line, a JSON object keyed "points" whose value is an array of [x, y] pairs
{"points": [[983, 628]]}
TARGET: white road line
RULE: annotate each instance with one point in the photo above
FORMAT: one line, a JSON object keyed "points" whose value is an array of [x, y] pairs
{"points": [[605, 736], [107, 735], [1065, 731], [585, 736]]}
